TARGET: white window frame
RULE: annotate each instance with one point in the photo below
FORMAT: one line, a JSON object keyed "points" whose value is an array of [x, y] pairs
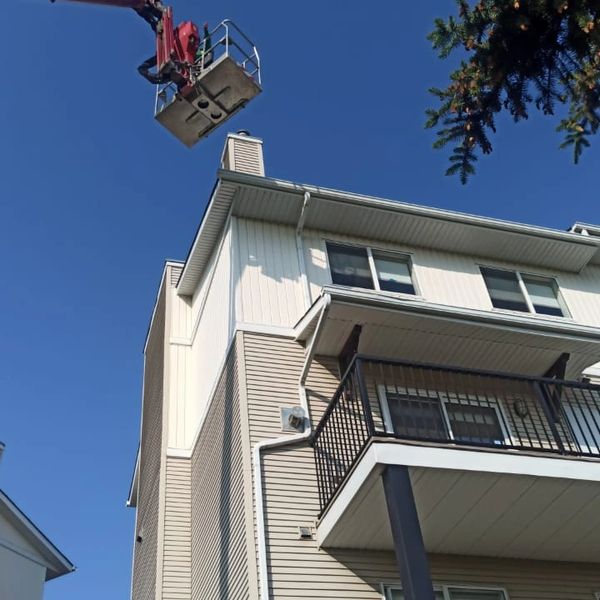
{"points": [[523, 289], [382, 391], [445, 589], [407, 256]]}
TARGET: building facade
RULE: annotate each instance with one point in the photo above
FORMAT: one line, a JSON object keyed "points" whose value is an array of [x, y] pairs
{"points": [[350, 397]]}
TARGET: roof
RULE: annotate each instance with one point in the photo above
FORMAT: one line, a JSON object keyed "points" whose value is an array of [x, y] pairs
{"points": [[280, 201], [56, 562]]}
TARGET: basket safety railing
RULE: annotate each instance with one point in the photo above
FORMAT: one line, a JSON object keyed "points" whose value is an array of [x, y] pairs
{"points": [[225, 40]]}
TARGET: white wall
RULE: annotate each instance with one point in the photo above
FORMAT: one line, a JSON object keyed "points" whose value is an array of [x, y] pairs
{"points": [[254, 280], [20, 578]]}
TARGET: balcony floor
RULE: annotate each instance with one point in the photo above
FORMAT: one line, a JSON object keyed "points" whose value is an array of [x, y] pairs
{"points": [[473, 502]]}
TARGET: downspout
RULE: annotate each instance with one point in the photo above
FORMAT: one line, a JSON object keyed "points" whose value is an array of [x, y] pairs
{"points": [[263, 572], [300, 251]]}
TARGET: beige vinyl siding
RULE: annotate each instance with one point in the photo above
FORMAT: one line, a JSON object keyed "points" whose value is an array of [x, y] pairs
{"points": [[177, 546], [219, 548], [298, 568], [147, 517]]}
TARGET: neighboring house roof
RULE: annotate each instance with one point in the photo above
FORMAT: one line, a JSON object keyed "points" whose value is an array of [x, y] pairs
{"points": [[279, 201], [40, 546]]}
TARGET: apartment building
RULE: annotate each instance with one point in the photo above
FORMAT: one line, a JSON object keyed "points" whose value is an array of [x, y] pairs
{"points": [[352, 397]]}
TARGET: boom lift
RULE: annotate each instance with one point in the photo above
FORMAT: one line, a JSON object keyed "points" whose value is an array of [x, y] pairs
{"points": [[201, 80]]}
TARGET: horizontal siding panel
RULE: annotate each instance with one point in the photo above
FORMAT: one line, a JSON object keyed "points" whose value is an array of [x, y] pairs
{"points": [[219, 565], [177, 548]]}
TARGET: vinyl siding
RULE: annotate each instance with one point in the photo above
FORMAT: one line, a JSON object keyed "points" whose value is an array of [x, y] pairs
{"points": [[268, 288], [201, 363], [147, 516], [219, 547], [298, 568], [177, 546]]}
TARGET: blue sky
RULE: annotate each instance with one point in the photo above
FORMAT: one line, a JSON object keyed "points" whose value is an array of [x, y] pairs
{"points": [[95, 195]]}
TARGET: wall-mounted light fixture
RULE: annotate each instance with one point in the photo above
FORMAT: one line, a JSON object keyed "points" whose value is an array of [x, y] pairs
{"points": [[521, 409], [292, 419]]}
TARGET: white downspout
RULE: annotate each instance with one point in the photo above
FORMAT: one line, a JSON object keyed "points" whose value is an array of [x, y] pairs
{"points": [[300, 252], [263, 572]]}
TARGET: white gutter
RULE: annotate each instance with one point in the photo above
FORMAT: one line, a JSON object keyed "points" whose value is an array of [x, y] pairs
{"points": [[263, 571], [300, 251]]}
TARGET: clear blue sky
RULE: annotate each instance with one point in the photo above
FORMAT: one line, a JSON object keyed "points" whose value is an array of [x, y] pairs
{"points": [[95, 196]]}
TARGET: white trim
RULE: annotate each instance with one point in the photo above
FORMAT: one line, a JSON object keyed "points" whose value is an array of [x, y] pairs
{"points": [[380, 454], [180, 452], [278, 330], [59, 564], [446, 587]]}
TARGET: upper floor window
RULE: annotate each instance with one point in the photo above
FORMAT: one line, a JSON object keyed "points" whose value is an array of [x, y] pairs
{"points": [[513, 290], [450, 592], [358, 266]]}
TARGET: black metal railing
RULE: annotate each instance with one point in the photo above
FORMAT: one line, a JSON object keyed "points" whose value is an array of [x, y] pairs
{"points": [[441, 405]]}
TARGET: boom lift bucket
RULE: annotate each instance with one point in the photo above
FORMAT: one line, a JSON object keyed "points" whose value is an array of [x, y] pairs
{"points": [[223, 79]]}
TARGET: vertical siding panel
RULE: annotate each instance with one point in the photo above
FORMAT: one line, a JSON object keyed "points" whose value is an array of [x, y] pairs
{"points": [[270, 287]]}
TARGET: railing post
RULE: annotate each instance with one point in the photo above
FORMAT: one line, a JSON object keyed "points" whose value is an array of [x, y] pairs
{"points": [[364, 397], [542, 395]]}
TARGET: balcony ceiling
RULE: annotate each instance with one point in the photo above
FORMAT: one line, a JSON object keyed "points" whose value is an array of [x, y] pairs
{"points": [[421, 332], [477, 512]]}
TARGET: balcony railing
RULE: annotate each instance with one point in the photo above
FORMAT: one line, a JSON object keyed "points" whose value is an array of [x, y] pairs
{"points": [[448, 406]]}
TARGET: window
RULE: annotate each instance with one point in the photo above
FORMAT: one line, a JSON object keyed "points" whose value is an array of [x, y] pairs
{"points": [[357, 266], [393, 272], [438, 417], [512, 290], [350, 266], [453, 593]]}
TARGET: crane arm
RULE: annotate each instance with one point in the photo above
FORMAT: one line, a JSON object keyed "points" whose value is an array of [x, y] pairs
{"points": [[135, 4]]}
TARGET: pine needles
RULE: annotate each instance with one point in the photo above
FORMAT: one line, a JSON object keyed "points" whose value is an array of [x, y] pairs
{"points": [[520, 53]]}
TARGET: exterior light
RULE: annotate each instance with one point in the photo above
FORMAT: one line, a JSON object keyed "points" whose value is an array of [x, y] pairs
{"points": [[521, 409]]}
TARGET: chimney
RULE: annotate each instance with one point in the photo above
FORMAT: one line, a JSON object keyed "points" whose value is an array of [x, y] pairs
{"points": [[243, 153]]}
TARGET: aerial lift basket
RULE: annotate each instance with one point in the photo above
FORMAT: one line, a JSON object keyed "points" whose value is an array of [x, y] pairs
{"points": [[224, 78]]}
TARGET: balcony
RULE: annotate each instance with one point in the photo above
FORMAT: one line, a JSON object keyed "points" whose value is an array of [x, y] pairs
{"points": [[500, 465]]}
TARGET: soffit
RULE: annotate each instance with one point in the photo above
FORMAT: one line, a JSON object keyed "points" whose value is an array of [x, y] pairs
{"points": [[420, 332], [281, 202]]}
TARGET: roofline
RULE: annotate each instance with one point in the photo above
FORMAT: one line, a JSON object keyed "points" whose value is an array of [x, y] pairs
{"points": [[405, 207], [133, 486], [39, 537]]}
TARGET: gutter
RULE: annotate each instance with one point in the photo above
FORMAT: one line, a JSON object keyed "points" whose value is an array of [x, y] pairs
{"points": [[407, 208], [263, 571]]}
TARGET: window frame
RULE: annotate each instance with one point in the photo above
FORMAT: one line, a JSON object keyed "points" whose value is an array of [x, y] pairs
{"points": [[524, 292], [400, 254], [445, 589], [388, 425]]}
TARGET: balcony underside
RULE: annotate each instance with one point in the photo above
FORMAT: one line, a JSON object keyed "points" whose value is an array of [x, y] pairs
{"points": [[414, 330], [474, 502]]}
